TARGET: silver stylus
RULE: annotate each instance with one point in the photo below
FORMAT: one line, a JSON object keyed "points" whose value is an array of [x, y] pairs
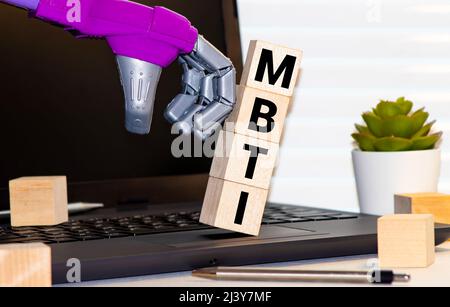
{"points": [[373, 277]]}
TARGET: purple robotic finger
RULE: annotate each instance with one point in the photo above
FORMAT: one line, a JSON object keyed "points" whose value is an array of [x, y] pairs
{"points": [[155, 35], [26, 4]]}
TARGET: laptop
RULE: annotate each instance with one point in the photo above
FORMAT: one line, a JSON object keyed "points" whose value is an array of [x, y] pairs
{"points": [[65, 116]]}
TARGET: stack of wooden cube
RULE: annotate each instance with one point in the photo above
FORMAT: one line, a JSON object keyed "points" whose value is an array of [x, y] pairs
{"points": [[247, 149]]}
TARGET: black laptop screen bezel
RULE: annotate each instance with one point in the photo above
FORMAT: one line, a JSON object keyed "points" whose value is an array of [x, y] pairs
{"points": [[161, 189]]}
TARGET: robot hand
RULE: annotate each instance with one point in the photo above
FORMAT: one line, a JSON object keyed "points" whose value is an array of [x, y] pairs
{"points": [[145, 40], [209, 91], [207, 98]]}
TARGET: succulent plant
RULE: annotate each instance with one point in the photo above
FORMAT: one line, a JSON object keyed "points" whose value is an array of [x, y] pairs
{"points": [[393, 126]]}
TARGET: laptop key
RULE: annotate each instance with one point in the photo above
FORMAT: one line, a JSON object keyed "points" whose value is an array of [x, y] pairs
{"points": [[271, 221], [345, 216], [25, 233], [89, 238], [64, 240], [97, 228], [323, 218], [297, 220], [115, 235], [139, 232]]}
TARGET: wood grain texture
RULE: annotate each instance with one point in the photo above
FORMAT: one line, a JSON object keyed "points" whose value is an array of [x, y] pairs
{"points": [[221, 203], [232, 160], [406, 241], [38, 201], [436, 204], [240, 121], [244, 160], [25, 265], [279, 55]]}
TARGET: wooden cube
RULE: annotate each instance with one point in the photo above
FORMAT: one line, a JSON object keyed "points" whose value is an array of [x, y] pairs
{"points": [[272, 68], [233, 206], [259, 114], [38, 201], [25, 265], [246, 151], [245, 160], [436, 204], [406, 241]]}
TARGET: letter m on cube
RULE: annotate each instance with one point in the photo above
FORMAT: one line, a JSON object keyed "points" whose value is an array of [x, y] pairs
{"points": [[272, 68]]}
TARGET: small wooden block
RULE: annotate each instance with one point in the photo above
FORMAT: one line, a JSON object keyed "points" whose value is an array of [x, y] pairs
{"points": [[406, 241], [272, 68], [259, 114], [233, 206], [432, 203], [25, 265], [38, 201], [245, 160]]}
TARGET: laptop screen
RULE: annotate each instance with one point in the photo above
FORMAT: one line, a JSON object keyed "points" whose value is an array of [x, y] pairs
{"points": [[62, 105]]}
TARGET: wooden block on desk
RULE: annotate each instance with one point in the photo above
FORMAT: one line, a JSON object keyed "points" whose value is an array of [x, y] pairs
{"points": [[244, 160], [38, 201], [436, 204], [272, 68], [406, 241], [233, 206], [259, 114], [25, 265]]}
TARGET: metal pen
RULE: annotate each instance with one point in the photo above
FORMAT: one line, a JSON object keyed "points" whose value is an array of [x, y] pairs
{"points": [[272, 275]]}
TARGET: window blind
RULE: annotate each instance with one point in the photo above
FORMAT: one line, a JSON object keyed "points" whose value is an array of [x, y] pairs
{"points": [[355, 53]]}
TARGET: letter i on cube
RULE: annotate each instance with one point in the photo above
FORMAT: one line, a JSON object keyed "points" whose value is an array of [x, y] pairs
{"points": [[247, 148]]}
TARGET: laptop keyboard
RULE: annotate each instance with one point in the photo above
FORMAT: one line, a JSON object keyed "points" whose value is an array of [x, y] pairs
{"points": [[110, 228]]}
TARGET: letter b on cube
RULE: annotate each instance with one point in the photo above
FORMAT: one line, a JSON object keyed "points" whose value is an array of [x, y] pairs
{"points": [[259, 114]]}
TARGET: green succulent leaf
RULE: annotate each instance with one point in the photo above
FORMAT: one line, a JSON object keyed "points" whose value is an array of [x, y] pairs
{"points": [[399, 126], [419, 119], [426, 142], [391, 144], [362, 129], [394, 126], [404, 105], [386, 109], [424, 130], [374, 123], [365, 142]]}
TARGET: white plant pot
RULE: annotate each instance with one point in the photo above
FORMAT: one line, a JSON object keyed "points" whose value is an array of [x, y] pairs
{"points": [[381, 175]]}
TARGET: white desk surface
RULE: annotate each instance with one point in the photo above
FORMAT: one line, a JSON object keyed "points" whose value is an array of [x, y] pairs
{"points": [[436, 275]]}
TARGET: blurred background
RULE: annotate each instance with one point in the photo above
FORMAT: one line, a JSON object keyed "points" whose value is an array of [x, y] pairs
{"points": [[355, 53]]}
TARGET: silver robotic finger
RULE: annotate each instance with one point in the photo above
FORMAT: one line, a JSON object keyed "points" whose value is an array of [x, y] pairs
{"points": [[183, 63], [189, 59], [177, 109], [206, 134], [210, 55], [220, 83], [192, 80], [222, 74], [210, 77], [186, 124], [208, 89], [212, 114], [139, 81], [226, 87]]}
